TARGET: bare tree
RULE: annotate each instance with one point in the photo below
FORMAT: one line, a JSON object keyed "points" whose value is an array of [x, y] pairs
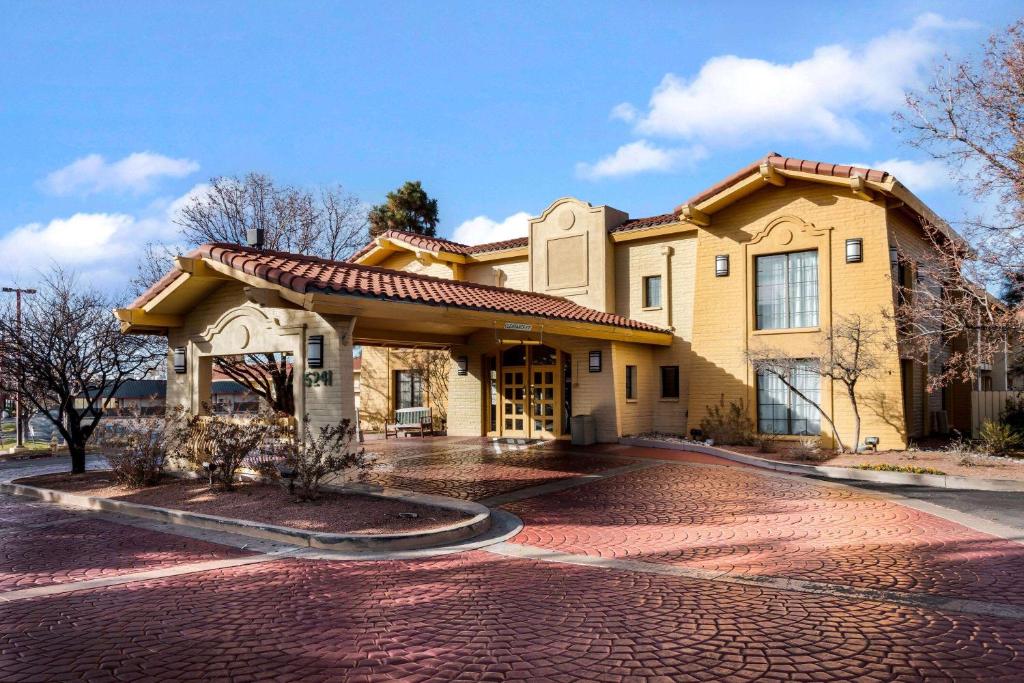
{"points": [[972, 117], [70, 347], [850, 351], [326, 222]]}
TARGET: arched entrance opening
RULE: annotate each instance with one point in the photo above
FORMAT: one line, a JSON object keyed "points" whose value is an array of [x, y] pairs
{"points": [[529, 392]]}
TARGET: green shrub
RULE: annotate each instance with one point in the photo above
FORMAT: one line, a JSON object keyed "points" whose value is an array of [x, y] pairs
{"points": [[998, 438], [907, 469], [730, 426]]}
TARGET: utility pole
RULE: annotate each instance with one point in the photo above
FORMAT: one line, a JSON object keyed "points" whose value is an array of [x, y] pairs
{"points": [[19, 425]]}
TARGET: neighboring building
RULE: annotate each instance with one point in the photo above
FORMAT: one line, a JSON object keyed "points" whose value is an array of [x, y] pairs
{"points": [[642, 323], [149, 397]]}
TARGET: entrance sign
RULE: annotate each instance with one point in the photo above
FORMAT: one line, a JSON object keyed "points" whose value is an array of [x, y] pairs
{"points": [[519, 327]]}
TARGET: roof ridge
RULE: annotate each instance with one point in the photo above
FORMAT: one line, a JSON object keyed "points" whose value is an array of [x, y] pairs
{"points": [[378, 269]]}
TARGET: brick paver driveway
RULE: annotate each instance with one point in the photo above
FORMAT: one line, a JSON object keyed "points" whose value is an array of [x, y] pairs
{"points": [[625, 570]]}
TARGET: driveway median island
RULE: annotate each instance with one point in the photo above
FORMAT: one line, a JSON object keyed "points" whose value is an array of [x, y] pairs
{"points": [[335, 512]]}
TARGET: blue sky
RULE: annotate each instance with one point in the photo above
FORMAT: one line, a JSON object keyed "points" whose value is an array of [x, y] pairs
{"points": [[111, 113]]}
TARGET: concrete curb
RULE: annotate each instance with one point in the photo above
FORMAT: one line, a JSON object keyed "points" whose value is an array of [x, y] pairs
{"points": [[479, 522], [942, 481]]}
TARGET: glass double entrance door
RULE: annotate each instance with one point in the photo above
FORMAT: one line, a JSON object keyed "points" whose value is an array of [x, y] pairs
{"points": [[530, 390]]}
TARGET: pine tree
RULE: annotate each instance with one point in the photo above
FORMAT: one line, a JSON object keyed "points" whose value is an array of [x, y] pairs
{"points": [[409, 208]]}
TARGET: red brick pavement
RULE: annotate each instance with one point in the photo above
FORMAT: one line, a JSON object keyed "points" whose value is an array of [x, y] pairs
{"points": [[89, 549], [746, 522], [475, 616], [473, 469]]}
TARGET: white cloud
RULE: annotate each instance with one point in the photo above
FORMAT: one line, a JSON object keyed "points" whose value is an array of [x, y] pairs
{"points": [[134, 173], [735, 100], [482, 229], [624, 112], [102, 247], [918, 176], [640, 157]]}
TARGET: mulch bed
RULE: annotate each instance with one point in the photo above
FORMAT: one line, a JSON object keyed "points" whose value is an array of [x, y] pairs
{"points": [[342, 513]]}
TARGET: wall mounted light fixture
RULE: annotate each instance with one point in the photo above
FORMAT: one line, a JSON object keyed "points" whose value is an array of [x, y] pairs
{"points": [[315, 351], [179, 360], [722, 265], [854, 250]]}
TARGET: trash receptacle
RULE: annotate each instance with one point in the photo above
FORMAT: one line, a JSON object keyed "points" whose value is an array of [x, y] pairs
{"points": [[583, 430]]}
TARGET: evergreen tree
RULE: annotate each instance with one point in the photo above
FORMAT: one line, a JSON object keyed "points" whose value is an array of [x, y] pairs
{"points": [[409, 208]]}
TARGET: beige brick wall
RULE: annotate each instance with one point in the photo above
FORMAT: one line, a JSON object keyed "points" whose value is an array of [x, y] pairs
{"points": [[513, 273], [633, 262], [822, 217], [225, 323], [378, 385]]}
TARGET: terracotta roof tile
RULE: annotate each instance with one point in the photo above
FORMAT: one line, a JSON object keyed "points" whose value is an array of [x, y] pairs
{"points": [[649, 222], [514, 243], [441, 244], [788, 164], [308, 274]]}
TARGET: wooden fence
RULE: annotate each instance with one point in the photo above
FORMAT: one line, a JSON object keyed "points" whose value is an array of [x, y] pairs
{"points": [[989, 405]]}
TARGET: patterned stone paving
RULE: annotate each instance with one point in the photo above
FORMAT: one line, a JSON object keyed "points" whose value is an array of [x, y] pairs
{"points": [[476, 617], [745, 521], [474, 470], [483, 616], [74, 548]]}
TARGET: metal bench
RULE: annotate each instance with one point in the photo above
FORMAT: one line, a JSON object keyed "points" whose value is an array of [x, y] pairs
{"points": [[409, 421]]}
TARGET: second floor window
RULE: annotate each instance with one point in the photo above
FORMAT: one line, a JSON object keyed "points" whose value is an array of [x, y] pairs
{"points": [[787, 290], [652, 291]]}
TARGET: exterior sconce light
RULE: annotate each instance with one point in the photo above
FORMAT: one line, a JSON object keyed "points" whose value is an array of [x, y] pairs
{"points": [[855, 250], [463, 365], [894, 257], [315, 351], [595, 361], [722, 265], [179, 360]]}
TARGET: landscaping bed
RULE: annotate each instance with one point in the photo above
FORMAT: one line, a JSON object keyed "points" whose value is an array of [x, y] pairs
{"points": [[335, 512], [955, 463]]}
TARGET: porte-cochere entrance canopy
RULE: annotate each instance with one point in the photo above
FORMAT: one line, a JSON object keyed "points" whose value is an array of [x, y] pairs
{"points": [[228, 299]]}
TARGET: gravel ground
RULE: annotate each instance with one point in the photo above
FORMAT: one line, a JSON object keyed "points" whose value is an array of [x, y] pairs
{"points": [[336, 512]]}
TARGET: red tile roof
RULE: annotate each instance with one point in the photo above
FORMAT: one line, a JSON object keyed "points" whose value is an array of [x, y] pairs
{"points": [[788, 164], [452, 247], [514, 243], [649, 222], [304, 274]]}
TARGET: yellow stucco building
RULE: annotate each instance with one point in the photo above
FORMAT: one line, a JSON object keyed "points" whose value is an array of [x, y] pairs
{"points": [[641, 323]]}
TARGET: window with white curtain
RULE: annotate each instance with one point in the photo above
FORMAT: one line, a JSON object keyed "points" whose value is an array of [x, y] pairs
{"points": [[780, 410], [787, 290]]}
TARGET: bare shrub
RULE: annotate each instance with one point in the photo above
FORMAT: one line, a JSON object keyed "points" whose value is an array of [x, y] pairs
{"points": [[324, 451], [809, 449], [221, 446], [136, 449], [766, 442], [728, 425]]}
